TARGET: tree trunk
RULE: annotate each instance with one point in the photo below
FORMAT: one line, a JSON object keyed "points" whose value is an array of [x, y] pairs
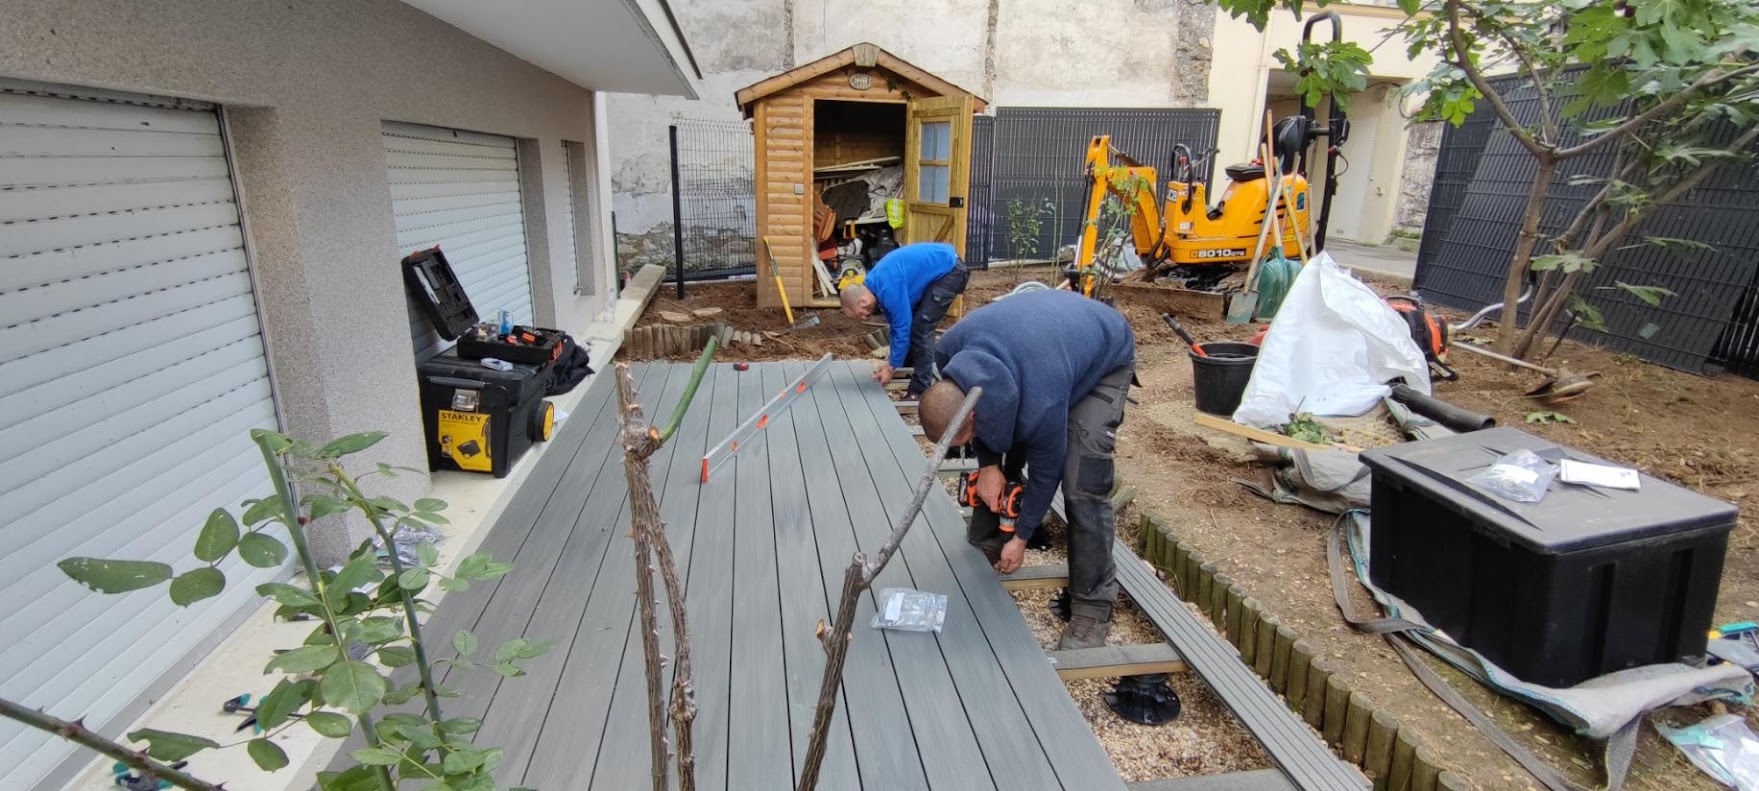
{"points": [[1509, 322], [639, 442]]}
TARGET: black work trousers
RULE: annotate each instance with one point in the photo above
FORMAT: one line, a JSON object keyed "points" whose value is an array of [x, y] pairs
{"points": [[1087, 487], [929, 312]]}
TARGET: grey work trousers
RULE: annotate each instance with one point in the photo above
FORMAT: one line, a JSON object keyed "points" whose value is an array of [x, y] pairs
{"points": [[1087, 504]]}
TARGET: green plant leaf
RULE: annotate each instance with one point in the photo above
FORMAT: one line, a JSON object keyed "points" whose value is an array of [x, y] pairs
{"points": [[413, 579], [354, 687], [262, 550], [290, 595], [197, 584], [268, 756], [453, 584], [321, 506], [397, 656], [374, 756], [352, 443], [402, 694], [1568, 262], [509, 670], [481, 566], [427, 553], [465, 642], [476, 782], [362, 570], [256, 511], [1651, 295], [329, 724], [521, 648], [273, 440], [1591, 316], [305, 659], [379, 629], [287, 697], [458, 762], [169, 745], [430, 504], [460, 726], [115, 576], [218, 537], [359, 778]]}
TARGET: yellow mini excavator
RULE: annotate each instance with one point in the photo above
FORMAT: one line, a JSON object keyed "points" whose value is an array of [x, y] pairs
{"points": [[1189, 240]]}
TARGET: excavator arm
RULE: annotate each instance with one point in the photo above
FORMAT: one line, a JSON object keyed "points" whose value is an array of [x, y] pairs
{"points": [[1132, 183]]}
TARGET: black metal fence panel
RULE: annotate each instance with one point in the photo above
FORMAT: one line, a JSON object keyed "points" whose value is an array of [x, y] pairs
{"points": [[1040, 154], [1708, 324], [715, 200], [979, 218]]}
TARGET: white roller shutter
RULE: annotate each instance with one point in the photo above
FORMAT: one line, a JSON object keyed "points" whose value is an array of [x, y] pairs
{"points": [[131, 370], [568, 206], [460, 190]]}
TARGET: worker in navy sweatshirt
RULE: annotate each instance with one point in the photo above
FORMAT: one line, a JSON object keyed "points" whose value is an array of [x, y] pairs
{"points": [[913, 286], [1055, 368]]}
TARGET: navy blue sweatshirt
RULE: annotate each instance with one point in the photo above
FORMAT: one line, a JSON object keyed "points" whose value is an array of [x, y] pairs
{"points": [[1035, 355]]}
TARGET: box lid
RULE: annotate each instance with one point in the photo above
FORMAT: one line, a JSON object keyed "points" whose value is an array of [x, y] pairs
{"points": [[1570, 517]]}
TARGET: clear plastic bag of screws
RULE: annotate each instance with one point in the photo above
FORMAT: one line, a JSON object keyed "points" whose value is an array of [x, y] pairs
{"points": [[907, 610]]}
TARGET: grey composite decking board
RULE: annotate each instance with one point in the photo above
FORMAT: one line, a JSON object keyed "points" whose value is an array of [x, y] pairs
{"points": [[804, 600], [1256, 780], [1301, 755], [624, 757], [761, 756], [885, 746], [945, 735], [1076, 756], [1106, 660], [1013, 760], [462, 609], [582, 697], [515, 720], [763, 547]]}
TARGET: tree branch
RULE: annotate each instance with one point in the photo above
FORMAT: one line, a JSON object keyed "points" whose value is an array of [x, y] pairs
{"points": [[79, 734], [1463, 59], [856, 579], [708, 353], [639, 441], [1667, 106], [1605, 241]]}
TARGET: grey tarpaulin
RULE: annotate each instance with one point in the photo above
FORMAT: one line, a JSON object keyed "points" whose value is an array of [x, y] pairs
{"points": [[1332, 481]]}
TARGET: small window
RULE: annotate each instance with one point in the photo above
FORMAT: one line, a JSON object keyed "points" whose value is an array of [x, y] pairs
{"points": [[579, 241], [935, 171]]}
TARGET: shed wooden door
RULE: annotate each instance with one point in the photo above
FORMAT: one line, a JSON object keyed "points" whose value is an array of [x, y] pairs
{"points": [[937, 169]]}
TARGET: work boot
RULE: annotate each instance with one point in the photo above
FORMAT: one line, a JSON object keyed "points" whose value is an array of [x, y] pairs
{"points": [[1084, 631]]}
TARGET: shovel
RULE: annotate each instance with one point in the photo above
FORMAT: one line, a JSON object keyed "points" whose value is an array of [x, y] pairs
{"points": [[776, 273], [1564, 384], [1244, 305]]}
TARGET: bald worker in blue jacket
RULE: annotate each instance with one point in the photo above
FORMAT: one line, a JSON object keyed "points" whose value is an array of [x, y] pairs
{"points": [[913, 286]]}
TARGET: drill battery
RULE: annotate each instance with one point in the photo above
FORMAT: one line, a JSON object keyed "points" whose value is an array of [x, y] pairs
{"points": [[1009, 509]]}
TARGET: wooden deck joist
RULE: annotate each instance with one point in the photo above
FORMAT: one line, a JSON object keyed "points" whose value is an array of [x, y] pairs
{"points": [[1112, 661], [1049, 575]]}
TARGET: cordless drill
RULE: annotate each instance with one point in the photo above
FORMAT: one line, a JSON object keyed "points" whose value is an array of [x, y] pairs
{"points": [[1010, 504]]}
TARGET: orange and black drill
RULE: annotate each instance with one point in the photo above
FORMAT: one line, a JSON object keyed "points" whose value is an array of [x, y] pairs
{"points": [[1011, 494]]}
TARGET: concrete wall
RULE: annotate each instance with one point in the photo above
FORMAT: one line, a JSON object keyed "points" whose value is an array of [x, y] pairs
{"points": [[305, 87]]}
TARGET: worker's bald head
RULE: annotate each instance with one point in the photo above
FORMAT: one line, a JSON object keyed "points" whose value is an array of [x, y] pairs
{"points": [[857, 301], [936, 408]]}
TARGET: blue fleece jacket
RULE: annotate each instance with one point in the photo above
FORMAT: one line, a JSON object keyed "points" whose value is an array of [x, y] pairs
{"points": [[898, 282], [1035, 355]]}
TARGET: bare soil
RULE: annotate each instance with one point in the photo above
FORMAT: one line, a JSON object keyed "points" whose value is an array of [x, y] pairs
{"points": [[1700, 432]]}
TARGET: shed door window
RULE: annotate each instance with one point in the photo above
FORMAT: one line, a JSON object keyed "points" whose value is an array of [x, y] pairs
{"points": [[937, 148]]}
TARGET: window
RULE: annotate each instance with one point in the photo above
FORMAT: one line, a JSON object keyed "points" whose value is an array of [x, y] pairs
{"points": [[935, 173], [579, 243]]}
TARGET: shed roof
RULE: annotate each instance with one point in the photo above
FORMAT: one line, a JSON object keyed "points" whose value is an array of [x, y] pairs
{"points": [[862, 55]]}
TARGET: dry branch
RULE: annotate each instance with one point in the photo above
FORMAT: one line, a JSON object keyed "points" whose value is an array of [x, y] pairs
{"points": [[79, 734], [857, 579]]}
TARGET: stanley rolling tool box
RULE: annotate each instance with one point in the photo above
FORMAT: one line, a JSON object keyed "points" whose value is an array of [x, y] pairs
{"points": [[478, 418]]}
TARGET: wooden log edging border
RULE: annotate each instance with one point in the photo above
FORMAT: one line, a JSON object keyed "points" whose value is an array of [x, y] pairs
{"points": [[1391, 754]]}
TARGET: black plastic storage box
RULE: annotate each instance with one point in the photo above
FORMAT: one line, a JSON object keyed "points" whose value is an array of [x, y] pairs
{"points": [[479, 419], [442, 299], [1585, 582]]}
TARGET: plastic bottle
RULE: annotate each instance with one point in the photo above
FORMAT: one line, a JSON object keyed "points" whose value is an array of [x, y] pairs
{"points": [[506, 322]]}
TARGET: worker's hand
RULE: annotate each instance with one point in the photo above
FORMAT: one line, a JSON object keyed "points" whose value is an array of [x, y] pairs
{"points": [[989, 487], [1013, 555], [882, 372]]}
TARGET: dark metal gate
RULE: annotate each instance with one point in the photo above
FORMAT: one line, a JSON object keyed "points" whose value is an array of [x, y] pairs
{"points": [[979, 216], [1039, 155], [1482, 177]]}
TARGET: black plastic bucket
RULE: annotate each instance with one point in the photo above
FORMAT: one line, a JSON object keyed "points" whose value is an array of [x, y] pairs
{"points": [[1221, 377]]}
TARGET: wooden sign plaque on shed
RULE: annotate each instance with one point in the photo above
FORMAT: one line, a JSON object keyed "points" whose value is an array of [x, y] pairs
{"points": [[856, 106]]}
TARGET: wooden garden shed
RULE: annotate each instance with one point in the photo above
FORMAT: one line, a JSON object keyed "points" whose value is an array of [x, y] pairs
{"points": [[821, 123]]}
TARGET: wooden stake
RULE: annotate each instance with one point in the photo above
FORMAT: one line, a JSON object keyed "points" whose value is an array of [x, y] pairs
{"points": [[1356, 718], [1300, 659], [1448, 781], [1337, 707], [1265, 651], [1218, 601], [1383, 729], [1205, 585], [1424, 770], [1279, 659], [1318, 685], [1401, 772], [1248, 638]]}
